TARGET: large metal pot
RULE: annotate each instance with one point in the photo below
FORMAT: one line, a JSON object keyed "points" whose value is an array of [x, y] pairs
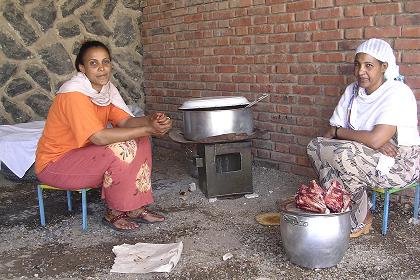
{"points": [[313, 240], [208, 117]]}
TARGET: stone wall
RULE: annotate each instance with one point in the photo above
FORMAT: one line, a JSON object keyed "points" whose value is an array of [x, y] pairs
{"points": [[39, 40]]}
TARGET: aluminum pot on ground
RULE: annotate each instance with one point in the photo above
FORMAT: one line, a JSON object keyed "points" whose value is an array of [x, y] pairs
{"points": [[313, 240]]}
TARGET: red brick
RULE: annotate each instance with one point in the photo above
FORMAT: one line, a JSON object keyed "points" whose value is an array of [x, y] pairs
{"points": [[329, 80], [303, 37], [407, 44], [259, 10], [412, 6], [353, 34], [260, 29], [283, 18], [411, 56], [324, 3], [306, 90], [382, 32], [353, 11], [303, 69], [328, 35], [407, 19], [240, 22], [413, 82], [328, 68], [281, 8], [300, 5], [354, 22], [303, 26], [350, 2], [240, 3], [302, 16], [281, 38], [409, 31], [260, 20], [386, 20], [327, 13], [382, 9], [281, 157], [329, 24], [329, 57], [304, 47], [305, 57], [306, 80], [243, 79]]}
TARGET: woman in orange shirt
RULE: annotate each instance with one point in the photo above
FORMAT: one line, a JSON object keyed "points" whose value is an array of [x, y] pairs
{"points": [[79, 148]]}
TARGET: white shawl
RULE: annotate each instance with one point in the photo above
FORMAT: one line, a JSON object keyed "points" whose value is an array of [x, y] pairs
{"points": [[108, 94]]}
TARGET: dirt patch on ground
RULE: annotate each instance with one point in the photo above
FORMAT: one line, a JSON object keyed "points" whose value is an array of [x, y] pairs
{"points": [[208, 230]]}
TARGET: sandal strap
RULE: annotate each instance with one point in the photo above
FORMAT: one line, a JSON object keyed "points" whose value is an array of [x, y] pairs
{"points": [[146, 212], [118, 217]]}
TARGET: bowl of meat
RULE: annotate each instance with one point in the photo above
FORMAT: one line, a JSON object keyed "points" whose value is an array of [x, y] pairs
{"points": [[315, 225]]}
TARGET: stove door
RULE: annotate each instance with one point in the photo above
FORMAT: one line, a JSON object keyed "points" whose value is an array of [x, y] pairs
{"points": [[226, 170]]}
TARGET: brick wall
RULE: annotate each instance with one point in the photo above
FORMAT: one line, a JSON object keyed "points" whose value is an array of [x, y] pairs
{"points": [[300, 52]]}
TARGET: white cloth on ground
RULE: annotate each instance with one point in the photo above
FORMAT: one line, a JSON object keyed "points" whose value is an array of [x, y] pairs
{"points": [[18, 145], [146, 257], [108, 94]]}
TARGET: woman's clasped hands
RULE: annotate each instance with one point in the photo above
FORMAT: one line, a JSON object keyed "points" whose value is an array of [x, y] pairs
{"points": [[159, 123]]}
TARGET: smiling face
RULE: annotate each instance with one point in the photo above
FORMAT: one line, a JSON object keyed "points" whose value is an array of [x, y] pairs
{"points": [[369, 72], [96, 66]]}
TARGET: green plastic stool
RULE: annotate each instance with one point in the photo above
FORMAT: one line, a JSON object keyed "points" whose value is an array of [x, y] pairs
{"points": [[41, 187], [386, 193]]}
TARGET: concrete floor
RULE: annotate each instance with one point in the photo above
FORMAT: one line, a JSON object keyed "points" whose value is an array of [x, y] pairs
{"points": [[208, 231]]}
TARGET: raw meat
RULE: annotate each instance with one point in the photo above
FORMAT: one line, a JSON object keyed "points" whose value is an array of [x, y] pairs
{"points": [[313, 198], [337, 198]]}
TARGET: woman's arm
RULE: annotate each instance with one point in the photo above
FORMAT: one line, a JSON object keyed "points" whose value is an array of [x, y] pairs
{"points": [[156, 124], [375, 139]]}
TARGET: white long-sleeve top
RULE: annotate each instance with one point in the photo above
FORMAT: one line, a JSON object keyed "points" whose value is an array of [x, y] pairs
{"points": [[393, 103]]}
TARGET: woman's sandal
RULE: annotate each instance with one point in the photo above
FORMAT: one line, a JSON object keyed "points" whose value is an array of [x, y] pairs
{"points": [[111, 223], [362, 228], [142, 217]]}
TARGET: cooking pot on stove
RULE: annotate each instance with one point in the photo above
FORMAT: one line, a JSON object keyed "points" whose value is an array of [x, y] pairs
{"points": [[214, 116], [313, 240]]}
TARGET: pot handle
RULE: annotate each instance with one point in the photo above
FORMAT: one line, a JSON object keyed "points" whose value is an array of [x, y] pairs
{"points": [[257, 100], [294, 220]]}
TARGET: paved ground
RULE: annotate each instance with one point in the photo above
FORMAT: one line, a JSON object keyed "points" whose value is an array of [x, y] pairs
{"points": [[207, 230]]}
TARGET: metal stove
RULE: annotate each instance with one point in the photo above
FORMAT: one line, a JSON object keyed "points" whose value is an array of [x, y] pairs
{"points": [[224, 169], [223, 166]]}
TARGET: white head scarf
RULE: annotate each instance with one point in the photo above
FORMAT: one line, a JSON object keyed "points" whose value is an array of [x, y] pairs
{"points": [[382, 51]]}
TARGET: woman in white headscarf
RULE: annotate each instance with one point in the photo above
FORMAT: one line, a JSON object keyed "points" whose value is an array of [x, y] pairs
{"points": [[373, 140]]}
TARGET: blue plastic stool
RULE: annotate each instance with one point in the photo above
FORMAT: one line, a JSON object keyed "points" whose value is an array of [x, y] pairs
{"points": [[387, 193], [69, 202]]}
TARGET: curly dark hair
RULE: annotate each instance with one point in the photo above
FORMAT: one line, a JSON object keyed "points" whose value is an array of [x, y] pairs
{"points": [[85, 47]]}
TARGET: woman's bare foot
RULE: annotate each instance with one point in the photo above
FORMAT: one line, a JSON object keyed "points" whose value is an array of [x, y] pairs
{"points": [[144, 215], [119, 221]]}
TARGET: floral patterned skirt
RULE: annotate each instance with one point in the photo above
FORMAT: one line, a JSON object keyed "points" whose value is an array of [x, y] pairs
{"points": [[123, 170], [354, 166]]}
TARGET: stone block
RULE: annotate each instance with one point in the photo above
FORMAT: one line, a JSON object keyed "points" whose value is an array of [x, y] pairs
{"points": [[70, 6], [15, 16], [56, 59], [7, 70], [45, 14], [124, 31], [39, 103], [18, 86], [12, 49], [18, 115], [40, 76]]}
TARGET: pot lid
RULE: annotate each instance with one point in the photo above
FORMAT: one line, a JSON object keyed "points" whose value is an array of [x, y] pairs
{"points": [[214, 102]]}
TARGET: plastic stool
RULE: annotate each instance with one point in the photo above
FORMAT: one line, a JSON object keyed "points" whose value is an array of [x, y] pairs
{"points": [[387, 193], [69, 202]]}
